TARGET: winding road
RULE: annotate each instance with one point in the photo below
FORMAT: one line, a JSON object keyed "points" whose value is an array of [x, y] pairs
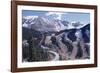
{"points": [[55, 54]]}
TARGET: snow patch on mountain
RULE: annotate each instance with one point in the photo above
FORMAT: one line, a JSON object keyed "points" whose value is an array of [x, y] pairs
{"points": [[46, 25]]}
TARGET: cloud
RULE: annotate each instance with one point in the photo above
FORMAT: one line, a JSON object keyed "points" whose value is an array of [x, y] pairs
{"points": [[58, 15], [29, 17]]}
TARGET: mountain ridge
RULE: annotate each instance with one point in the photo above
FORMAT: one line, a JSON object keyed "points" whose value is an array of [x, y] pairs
{"points": [[46, 25]]}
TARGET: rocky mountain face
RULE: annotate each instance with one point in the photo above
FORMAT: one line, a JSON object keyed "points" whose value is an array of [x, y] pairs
{"points": [[45, 25], [45, 40]]}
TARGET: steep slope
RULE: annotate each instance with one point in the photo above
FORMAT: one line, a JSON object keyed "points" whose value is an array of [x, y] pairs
{"points": [[43, 24]]}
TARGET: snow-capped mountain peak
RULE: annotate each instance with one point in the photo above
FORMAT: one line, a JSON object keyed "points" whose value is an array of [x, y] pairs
{"points": [[44, 24]]}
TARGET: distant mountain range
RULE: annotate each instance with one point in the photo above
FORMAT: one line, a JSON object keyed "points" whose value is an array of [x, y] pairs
{"points": [[35, 26], [45, 25]]}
